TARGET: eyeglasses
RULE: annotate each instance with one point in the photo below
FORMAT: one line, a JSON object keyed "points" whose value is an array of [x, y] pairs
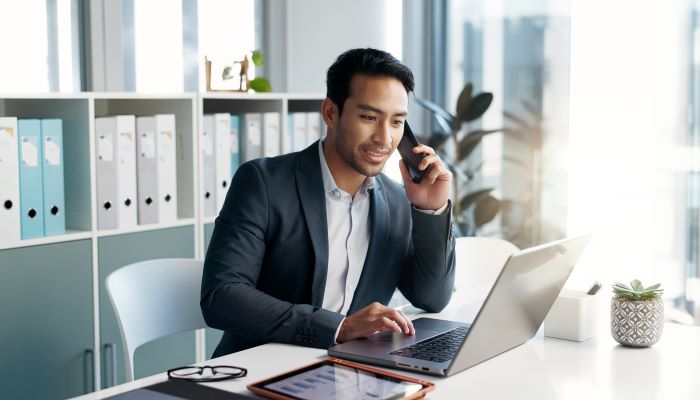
{"points": [[197, 374]]}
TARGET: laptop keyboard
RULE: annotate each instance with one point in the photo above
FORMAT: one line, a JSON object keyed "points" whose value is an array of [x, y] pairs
{"points": [[438, 349]]}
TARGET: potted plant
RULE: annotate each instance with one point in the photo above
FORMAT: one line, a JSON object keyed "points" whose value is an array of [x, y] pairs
{"points": [[472, 207], [637, 314]]}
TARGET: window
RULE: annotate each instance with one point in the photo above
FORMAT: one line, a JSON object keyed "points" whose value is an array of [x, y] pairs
{"points": [[46, 57]]}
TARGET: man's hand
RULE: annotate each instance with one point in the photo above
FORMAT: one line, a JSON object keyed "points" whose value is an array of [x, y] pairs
{"points": [[374, 318], [433, 191]]}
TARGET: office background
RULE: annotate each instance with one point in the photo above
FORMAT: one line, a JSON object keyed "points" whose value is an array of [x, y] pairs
{"points": [[610, 88]]}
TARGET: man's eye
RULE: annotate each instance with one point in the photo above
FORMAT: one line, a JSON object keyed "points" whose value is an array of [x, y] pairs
{"points": [[397, 122], [369, 117]]}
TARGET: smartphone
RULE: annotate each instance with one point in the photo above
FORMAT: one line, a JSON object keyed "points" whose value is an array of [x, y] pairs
{"points": [[411, 159]]}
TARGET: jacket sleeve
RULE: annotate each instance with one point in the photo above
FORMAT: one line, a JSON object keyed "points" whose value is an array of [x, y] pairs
{"points": [[428, 276], [230, 300]]}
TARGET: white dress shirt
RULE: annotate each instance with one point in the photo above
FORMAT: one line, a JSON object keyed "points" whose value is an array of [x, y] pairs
{"points": [[348, 238]]}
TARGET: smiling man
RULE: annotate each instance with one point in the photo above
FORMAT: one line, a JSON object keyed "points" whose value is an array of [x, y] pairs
{"points": [[310, 246]]}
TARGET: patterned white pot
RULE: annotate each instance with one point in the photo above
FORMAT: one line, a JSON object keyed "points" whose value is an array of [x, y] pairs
{"points": [[636, 323]]}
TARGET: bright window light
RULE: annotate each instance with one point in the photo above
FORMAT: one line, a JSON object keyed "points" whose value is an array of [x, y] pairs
{"points": [[158, 46], [24, 47], [226, 34]]}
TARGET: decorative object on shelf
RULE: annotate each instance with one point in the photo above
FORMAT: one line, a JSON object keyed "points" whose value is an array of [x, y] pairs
{"points": [[472, 208], [258, 84], [636, 314]]}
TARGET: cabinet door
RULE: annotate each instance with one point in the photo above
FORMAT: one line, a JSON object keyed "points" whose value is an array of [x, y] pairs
{"points": [[46, 321], [115, 252]]}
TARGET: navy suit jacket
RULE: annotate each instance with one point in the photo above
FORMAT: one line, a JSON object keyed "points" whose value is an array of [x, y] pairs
{"points": [[265, 269]]}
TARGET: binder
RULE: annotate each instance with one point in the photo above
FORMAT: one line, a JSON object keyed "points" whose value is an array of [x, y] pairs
{"points": [[208, 172], [222, 156], [299, 135], [147, 174], [235, 143], [9, 181], [167, 166], [106, 171], [313, 127], [31, 199], [271, 133], [288, 136], [115, 139], [251, 136], [53, 176], [126, 170]]}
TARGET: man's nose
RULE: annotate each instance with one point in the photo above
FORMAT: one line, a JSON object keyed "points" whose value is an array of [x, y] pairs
{"points": [[382, 134]]}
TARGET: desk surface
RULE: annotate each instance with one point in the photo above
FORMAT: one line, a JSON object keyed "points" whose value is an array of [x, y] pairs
{"points": [[543, 368]]}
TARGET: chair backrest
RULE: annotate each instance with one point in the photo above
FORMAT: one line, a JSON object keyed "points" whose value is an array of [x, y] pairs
{"points": [[153, 299], [478, 261]]}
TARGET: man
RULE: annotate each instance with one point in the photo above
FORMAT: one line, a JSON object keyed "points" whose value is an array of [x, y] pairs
{"points": [[305, 239]]}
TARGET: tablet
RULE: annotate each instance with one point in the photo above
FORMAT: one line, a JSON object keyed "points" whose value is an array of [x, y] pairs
{"points": [[333, 378]]}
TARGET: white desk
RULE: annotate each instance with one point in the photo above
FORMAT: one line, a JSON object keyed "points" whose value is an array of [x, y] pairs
{"points": [[542, 368]]}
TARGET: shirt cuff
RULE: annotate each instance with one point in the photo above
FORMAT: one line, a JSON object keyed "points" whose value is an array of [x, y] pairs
{"points": [[337, 332], [439, 211]]}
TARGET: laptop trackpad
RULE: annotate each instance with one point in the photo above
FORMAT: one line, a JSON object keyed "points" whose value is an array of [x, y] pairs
{"points": [[425, 328]]}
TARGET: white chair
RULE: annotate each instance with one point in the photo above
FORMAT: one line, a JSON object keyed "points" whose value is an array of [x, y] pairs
{"points": [[478, 261], [153, 299]]}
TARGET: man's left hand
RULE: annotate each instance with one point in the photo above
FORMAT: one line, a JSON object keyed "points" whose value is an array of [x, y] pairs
{"points": [[433, 191]]}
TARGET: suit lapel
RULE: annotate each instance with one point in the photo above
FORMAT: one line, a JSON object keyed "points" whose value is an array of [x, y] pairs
{"points": [[313, 204], [379, 231]]}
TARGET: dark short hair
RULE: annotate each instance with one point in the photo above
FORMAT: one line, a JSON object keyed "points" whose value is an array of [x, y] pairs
{"points": [[367, 61]]}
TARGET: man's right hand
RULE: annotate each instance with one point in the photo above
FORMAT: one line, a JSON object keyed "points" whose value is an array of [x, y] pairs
{"points": [[376, 317]]}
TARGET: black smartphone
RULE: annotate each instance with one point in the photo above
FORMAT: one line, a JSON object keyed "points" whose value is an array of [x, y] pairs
{"points": [[411, 159]]}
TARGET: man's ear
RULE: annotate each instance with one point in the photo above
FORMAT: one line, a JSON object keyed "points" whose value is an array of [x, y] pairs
{"points": [[329, 112]]}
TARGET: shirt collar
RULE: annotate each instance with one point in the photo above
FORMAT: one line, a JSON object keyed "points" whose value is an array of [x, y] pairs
{"points": [[329, 185]]}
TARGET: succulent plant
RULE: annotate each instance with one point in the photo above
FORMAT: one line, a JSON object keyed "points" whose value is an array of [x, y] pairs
{"points": [[636, 291]]}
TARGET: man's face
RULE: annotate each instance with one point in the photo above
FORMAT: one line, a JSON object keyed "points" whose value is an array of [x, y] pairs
{"points": [[371, 124]]}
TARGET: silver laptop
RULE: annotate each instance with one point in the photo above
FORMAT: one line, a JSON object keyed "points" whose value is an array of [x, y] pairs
{"points": [[513, 311]]}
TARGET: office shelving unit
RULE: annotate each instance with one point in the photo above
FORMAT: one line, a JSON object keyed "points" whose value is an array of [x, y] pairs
{"points": [[54, 309]]}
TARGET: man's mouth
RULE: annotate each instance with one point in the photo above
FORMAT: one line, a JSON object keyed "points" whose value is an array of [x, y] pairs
{"points": [[374, 155]]}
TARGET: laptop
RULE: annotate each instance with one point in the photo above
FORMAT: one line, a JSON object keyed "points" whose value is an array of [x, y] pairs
{"points": [[525, 290]]}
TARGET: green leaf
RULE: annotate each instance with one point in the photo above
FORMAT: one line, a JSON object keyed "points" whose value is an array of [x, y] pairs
{"points": [[436, 109], [260, 85], [477, 106], [471, 140], [637, 285], [654, 287], [258, 59], [473, 197], [486, 210], [463, 103]]}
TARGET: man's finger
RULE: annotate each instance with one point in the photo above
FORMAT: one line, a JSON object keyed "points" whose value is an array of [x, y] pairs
{"points": [[411, 330], [400, 320], [385, 323]]}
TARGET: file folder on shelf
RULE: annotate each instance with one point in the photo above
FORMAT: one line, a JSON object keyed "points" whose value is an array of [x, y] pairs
{"points": [[299, 134], [53, 176], [147, 171], [9, 181], [156, 165], [222, 156], [208, 173], [235, 143], [31, 198], [313, 127], [271, 131], [251, 136], [167, 167], [116, 172]]}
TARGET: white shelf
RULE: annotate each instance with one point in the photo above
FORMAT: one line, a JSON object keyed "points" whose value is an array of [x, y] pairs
{"points": [[69, 236], [146, 228]]}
